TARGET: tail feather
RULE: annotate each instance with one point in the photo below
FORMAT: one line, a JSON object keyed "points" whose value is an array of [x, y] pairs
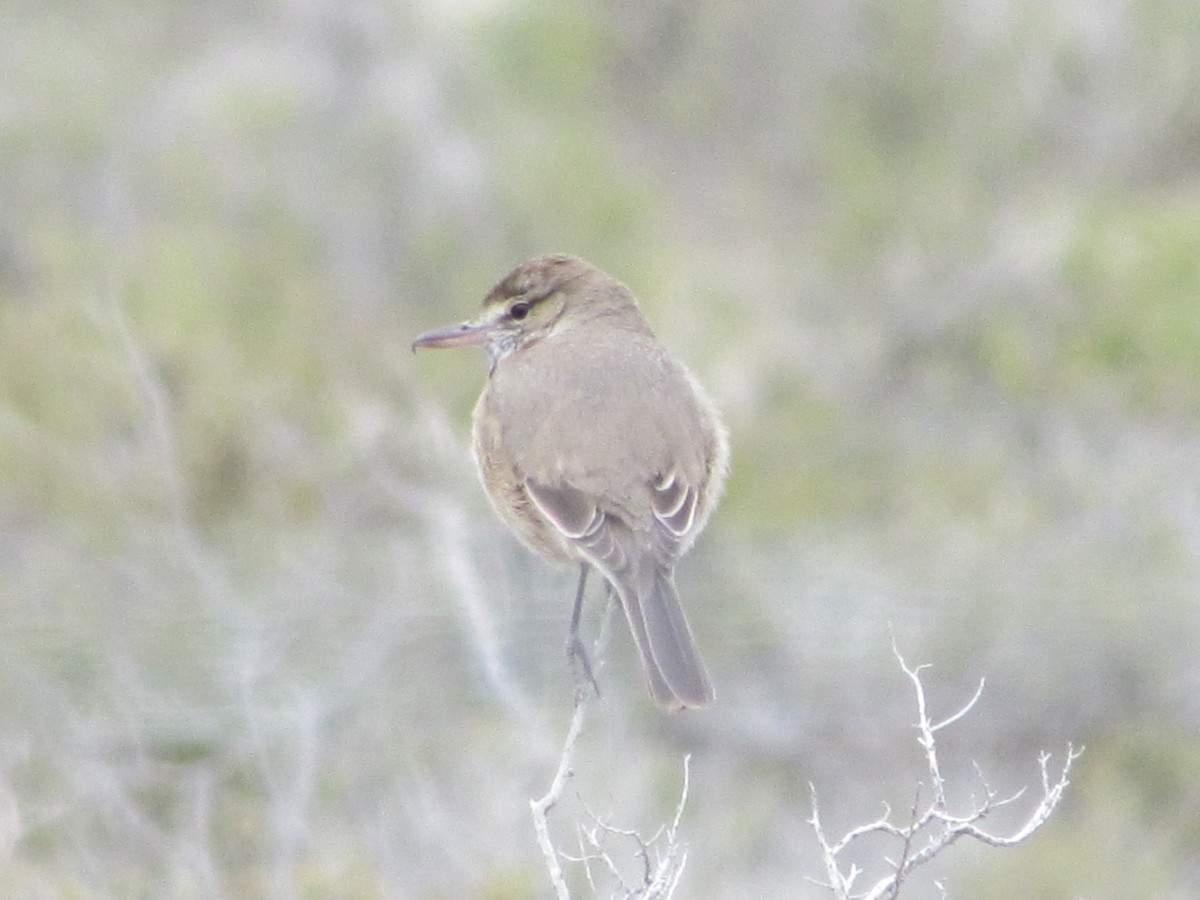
{"points": [[673, 645], [675, 673], [660, 691]]}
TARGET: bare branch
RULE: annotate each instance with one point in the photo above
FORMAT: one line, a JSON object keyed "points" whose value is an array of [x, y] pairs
{"points": [[838, 883], [661, 868], [933, 828], [662, 857], [950, 720], [541, 807]]}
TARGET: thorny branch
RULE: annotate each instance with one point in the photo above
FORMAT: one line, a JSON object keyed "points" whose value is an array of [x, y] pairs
{"points": [[932, 829]]}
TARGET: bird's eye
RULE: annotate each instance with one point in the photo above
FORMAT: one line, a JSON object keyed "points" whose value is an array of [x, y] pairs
{"points": [[519, 311]]}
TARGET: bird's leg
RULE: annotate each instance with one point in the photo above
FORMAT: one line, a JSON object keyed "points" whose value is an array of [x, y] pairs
{"points": [[577, 611], [581, 666]]}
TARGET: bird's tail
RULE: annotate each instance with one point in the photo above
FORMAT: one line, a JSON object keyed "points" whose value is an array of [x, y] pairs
{"points": [[674, 671]]}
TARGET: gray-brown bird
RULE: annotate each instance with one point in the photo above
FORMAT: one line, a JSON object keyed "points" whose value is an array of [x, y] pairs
{"points": [[597, 447]]}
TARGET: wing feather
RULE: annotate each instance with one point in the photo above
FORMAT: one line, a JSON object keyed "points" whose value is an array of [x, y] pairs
{"points": [[674, 504]]}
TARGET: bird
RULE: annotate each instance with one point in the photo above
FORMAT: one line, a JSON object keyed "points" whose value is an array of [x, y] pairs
{"points": [[597, 447]]}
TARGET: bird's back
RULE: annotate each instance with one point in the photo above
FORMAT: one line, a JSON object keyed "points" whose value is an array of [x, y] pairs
{"points": [[605, 412]]}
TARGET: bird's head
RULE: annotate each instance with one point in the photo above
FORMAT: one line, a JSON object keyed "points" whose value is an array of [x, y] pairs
{"points": [[526, 305]]}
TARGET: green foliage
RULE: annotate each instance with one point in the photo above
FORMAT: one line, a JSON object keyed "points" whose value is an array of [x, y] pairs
{"points": [[1134, 272], [546, 125]]}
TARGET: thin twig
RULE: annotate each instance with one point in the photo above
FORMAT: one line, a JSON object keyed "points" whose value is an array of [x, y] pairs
{"points": [[541, 807], [662, 866]]}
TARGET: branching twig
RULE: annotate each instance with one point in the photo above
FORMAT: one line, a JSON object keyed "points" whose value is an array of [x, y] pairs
{"points": [[662, 857], [933, 828], [661, 867], [542, 806]]}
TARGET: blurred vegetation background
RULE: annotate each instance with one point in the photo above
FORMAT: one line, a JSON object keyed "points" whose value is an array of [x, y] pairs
{"points": [[260, 635]]}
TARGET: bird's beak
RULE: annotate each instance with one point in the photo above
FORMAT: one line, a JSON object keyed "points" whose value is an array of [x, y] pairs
{"points": [[463, 334]]}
